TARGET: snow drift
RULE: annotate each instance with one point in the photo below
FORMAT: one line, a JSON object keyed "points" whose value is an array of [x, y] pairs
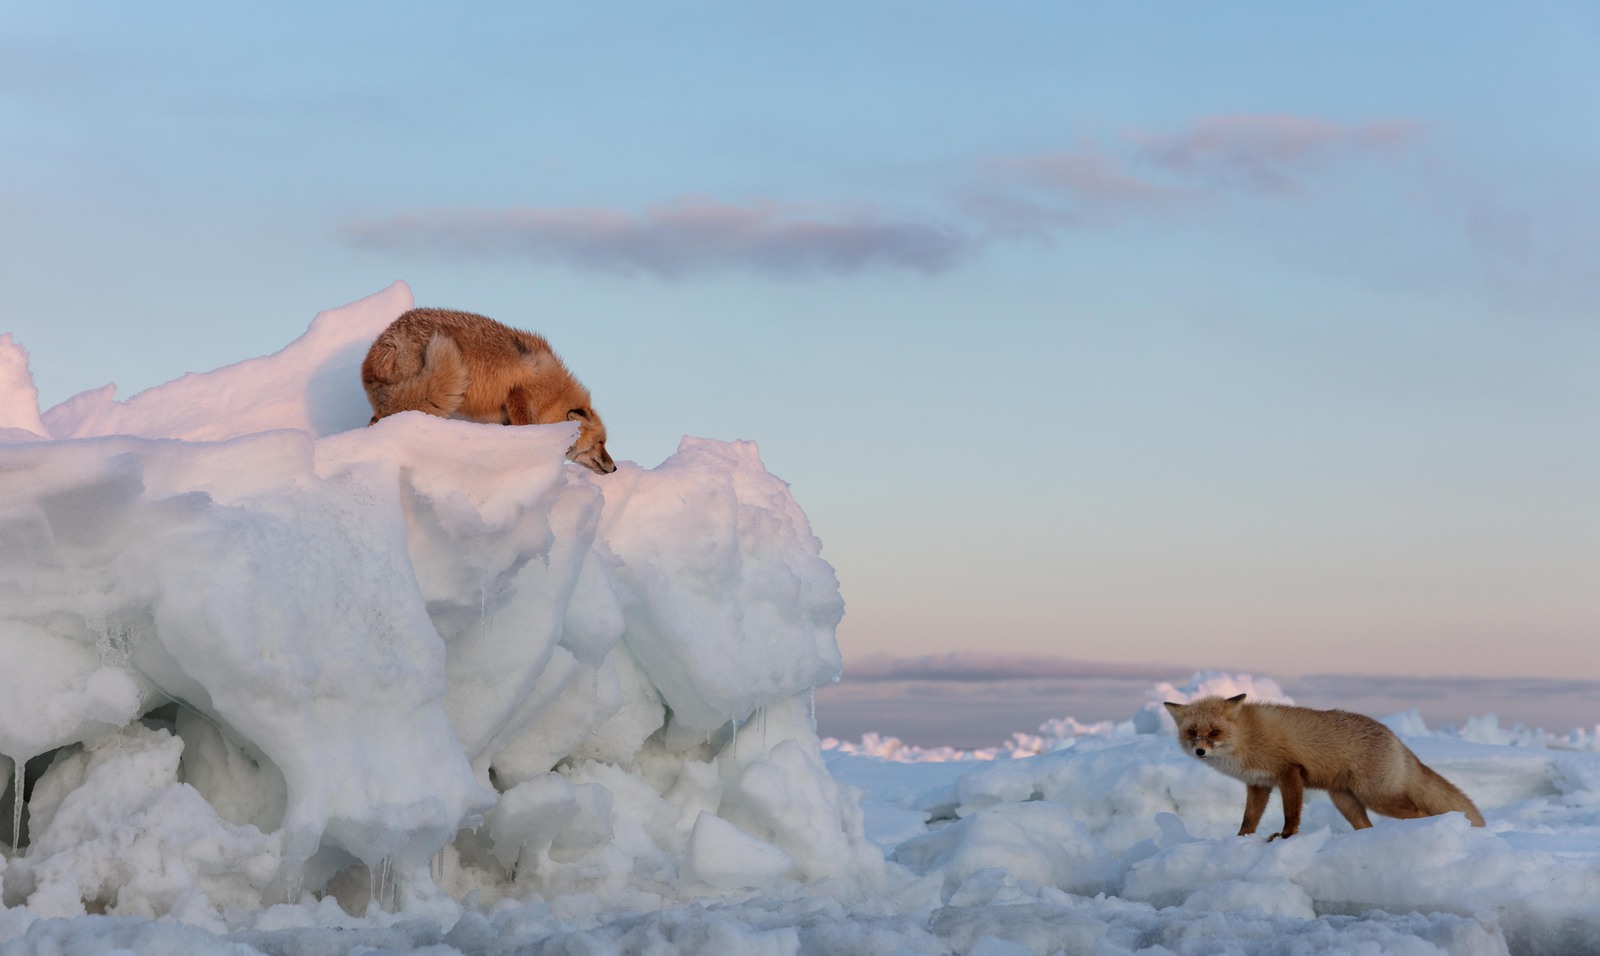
{"points": [[255, 648]]}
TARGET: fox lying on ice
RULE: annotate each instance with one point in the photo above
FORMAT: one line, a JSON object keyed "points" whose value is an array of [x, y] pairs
{"points": [[464, 365], [1360, 762]]}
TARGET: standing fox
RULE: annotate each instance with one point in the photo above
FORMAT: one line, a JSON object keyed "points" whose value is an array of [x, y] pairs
{"points": [[1360, 762], [459, 364]]}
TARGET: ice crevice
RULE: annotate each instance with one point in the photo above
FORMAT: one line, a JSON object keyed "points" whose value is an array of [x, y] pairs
{"points": [[418, 662]]}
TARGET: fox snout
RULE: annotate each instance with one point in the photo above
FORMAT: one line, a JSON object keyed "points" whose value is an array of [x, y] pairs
{"points": [[594, 458]]}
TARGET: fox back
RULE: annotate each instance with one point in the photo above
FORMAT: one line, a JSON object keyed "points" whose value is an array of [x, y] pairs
{"points": [[1248, 740], [465, 365]]}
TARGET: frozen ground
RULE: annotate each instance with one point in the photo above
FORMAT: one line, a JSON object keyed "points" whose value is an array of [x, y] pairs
{"points": [[278, 683]]}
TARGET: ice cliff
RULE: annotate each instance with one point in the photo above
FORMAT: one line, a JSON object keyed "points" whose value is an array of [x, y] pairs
{"points": [[258, 654]]}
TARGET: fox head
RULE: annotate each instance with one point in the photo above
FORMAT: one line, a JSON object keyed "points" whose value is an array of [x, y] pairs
{"points": [[1205, 726], [590, 448]]}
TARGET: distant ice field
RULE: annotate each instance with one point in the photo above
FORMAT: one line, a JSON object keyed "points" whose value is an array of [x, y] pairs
{"points": [[931, 710]]}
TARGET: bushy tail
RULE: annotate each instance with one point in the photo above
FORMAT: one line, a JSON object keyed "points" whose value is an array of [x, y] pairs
{"points": [[1441, 796], [436, 385]]}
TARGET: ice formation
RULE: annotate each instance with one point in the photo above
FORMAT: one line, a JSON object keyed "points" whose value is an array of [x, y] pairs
{"points": [[283, 648], [1109, 839]]}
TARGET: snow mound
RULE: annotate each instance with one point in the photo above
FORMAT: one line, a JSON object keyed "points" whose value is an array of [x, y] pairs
{"points": [[260, 654], [312, 385]]}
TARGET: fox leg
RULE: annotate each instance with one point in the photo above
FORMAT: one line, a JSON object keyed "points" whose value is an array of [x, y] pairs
{"points": [[519, 406], [432, 378], [1293, 790], [1351, 806], [1255, 803]]}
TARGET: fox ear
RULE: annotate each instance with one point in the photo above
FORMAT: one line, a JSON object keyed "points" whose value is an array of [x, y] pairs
{"points": [[1176, 709], [1236, 699], [578, 415]]}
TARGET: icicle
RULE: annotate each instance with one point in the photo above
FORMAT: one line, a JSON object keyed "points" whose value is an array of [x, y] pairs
{"points": [[16, 806], [735, 722], [380, 886]]}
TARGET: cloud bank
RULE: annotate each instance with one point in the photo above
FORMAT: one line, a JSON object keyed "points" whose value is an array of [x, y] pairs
{"points": [[998, 197], [691, 236]]}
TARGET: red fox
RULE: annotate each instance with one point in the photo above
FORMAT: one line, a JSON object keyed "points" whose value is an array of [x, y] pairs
{"points": [[460, 364], [1360, 762]]}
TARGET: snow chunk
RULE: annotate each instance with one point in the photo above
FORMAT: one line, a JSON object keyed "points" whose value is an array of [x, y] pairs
{"points": [[1035, 843], [725, 857], [19, 398], [1268, 897], [68, 693], [750, 614], [116, 829]]}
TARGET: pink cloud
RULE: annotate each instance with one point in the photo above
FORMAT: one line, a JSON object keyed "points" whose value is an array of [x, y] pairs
{"points": [[1034, 195], [687, 237], [1262, 150], [1085, 172], [1092, 183]]}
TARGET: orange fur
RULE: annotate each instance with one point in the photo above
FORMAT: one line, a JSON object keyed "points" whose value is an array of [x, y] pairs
{"points": [[464, 365], [1360, 762]]}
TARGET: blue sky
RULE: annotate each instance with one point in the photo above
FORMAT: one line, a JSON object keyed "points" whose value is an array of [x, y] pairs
{"points": [[1230, 335]]}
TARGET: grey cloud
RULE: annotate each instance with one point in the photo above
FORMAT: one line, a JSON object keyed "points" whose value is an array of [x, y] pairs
{"points": [[682, 239]]}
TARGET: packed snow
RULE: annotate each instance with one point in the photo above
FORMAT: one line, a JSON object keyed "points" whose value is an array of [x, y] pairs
{"points": [[279, 683]]}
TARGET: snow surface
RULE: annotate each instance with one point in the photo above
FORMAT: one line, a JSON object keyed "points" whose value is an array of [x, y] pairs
{"points": [[285, 684]]}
